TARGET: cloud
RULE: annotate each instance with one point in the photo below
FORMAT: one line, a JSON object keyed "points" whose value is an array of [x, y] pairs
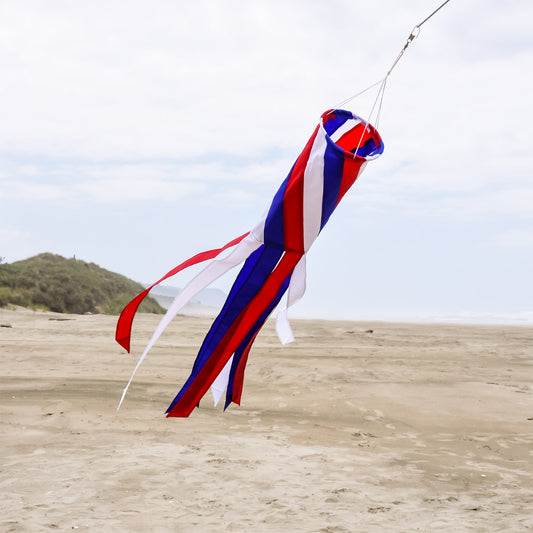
{"points": [[46, 180], [234, 198], [516, 238], [183, 107], [120, 190], [83, 84], [237, 78], [15, 244]]}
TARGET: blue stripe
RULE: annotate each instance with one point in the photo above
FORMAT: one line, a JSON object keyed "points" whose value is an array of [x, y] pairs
{"points": [[333, 166], [274, 234], [258, 325], [251, 278], [340, 117], [370, 148]]}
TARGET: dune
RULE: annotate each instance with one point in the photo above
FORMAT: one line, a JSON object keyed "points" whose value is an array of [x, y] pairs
{"points": [[357, 426]]}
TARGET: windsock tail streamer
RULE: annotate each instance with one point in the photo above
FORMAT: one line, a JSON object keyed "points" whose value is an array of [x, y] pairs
{"points": [[207, 368], [125, 320]]}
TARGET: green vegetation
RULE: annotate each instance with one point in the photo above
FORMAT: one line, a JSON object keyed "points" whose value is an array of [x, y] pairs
{"points": [[51, 282]]}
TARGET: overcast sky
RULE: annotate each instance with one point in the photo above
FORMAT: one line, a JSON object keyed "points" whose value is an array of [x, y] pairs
{"points": [[135, 134]]}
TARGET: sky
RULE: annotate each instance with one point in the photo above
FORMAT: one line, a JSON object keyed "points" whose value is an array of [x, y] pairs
{"points": [[134, 134]]}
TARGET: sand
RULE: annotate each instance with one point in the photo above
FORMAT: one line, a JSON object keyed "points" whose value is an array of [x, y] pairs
{"points": [[407, 428]]}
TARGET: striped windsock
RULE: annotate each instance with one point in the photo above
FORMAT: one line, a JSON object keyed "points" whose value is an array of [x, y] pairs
{"points": [[274, 259]]}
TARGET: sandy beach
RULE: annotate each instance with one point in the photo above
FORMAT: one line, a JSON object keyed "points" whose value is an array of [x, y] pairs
{"points": [[359, 427]]}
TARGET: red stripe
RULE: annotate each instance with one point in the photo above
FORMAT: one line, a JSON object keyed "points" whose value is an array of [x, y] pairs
{"points": [[352, 138], [349, 141], [234, 336], [125, 321], [350, 171], [293, 201], [238, 378], [327, 116]]}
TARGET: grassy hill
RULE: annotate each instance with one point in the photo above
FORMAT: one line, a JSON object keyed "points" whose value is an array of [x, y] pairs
{"points": [[51, 282]]}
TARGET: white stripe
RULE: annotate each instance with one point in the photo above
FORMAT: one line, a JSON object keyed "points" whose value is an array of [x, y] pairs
{"points": [[312, 218], [218, 267], [314, 189], [221, 382], [295, 292], [345, 128]]}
